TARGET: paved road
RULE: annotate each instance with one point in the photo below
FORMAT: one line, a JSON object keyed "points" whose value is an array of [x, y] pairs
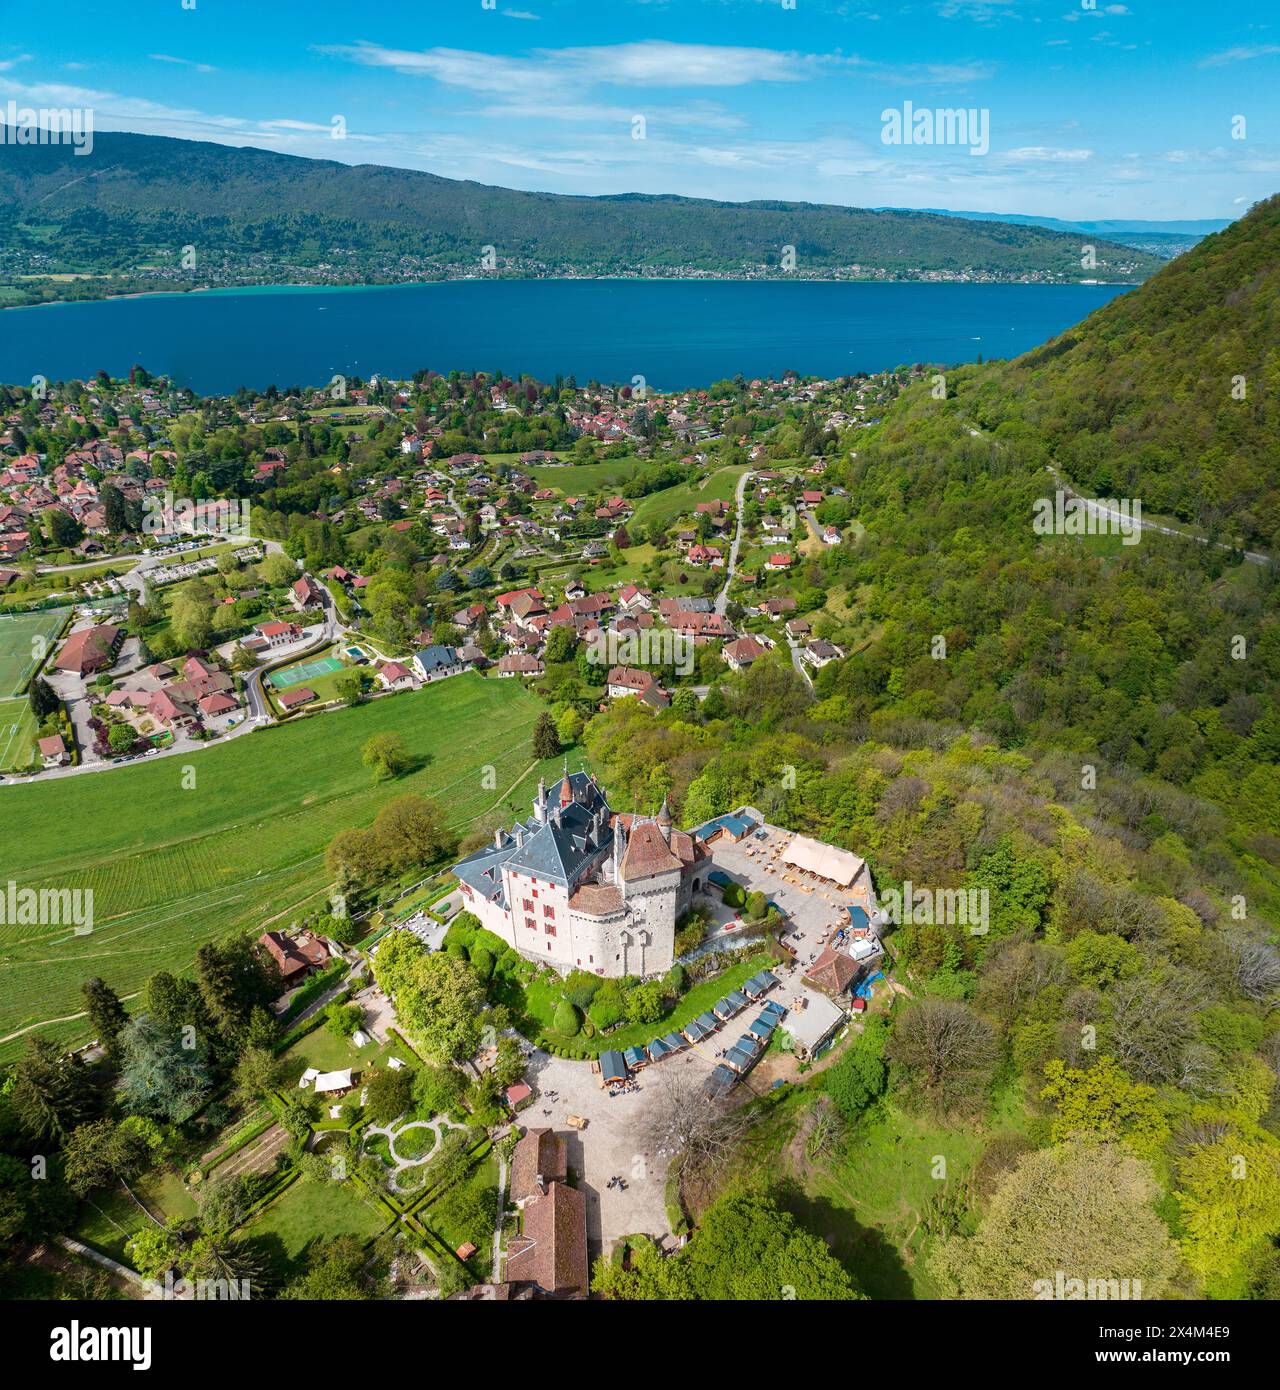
{"points": [[1096, 508], [722, 598], [799, 663]]}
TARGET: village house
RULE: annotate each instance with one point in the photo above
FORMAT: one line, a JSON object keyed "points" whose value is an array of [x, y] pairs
{"points": [[820, 653], [626, 680], [90, 650], [436, 663], [741, 654], [53, 752], [295, 958], [520, 664], [392, 676]]}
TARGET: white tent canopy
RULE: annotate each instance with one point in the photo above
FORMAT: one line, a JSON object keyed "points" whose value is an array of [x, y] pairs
{"points": [[840, 866], [333, 1081]]}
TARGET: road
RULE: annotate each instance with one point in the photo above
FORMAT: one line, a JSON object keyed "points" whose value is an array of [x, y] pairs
{"points": [[1096, 508], [722, 598]]}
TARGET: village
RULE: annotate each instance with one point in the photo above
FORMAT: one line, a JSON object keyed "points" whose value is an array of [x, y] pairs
{"points": [[155, 637]]}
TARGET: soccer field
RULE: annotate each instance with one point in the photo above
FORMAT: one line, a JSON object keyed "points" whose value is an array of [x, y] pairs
{"points": [[243, 848], [17, 734], [20, 652]]}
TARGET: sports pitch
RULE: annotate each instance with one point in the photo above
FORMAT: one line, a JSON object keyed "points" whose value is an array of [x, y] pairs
{"points": [[20, 651], [17, 734], [300, 675]]}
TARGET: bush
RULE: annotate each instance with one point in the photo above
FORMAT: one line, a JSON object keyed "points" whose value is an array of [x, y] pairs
{"points": [[343, 1019], [567, 1020], [581, 988], [734, 896], [607, 1007], [643, 1004], [757, 906], [482, 962]]}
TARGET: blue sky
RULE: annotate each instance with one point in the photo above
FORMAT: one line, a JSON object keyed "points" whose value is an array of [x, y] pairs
{"points": [[1109, 110]]}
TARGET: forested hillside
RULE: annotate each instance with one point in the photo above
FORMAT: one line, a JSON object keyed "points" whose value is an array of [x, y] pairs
{"points": [[1169, 395], [1091, 732], [140, 198]]}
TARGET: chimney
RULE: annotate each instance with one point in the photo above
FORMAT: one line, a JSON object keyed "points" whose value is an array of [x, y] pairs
{"points": [[497, 838]]}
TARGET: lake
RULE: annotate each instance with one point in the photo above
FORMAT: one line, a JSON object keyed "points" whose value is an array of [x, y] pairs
{"points": [[674, 333]]}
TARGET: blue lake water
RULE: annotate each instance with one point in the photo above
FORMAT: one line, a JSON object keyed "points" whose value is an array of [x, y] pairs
{"points": [[674, 334]]}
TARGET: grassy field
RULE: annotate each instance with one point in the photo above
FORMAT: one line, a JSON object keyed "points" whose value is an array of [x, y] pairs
{"points": [[664, 507], [17, 734], [109, 1220], [20, 654], [876, 1199], [171, 868], [579, 479]]}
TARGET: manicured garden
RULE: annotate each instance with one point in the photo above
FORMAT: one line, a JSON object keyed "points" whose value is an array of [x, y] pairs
{"points": [[309, 1211], [545, 1006]]}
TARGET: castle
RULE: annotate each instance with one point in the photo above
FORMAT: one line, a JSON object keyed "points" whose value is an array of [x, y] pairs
{"points": [[580, 887]]}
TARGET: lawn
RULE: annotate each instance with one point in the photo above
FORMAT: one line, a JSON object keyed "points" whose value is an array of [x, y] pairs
{"points": [[17, 734], [327, 1052], [173, 866], [456, 1220], [536, 1003], [25, 638], [309, 1211]]}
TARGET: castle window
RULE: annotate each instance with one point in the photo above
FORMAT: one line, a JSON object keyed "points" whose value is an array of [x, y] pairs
{"points": [[528, 906], [531, 924], [549, 928], [548, 910]]}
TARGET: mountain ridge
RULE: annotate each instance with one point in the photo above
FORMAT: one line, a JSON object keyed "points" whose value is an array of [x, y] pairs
{"points": [[129, 208]]}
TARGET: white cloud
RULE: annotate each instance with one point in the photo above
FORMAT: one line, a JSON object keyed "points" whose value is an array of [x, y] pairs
{"points": [[181, 62], [651, 63], [1239, 55], [1044, 154]]}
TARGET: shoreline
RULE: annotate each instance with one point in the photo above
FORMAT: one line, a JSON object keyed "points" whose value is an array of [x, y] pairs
{"points": [[287, 288]]}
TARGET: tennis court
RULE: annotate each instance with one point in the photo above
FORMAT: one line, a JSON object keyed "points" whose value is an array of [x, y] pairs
{"points": [[21, 647], [308, 671]]}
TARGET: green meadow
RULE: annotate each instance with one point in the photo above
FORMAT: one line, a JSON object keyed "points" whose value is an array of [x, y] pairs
{"points": [[172, 867]]}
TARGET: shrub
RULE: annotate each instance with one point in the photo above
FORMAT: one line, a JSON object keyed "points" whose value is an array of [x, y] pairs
{"points": [[567, 1020], [581, 988], [482, 962], [734, 896]]}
